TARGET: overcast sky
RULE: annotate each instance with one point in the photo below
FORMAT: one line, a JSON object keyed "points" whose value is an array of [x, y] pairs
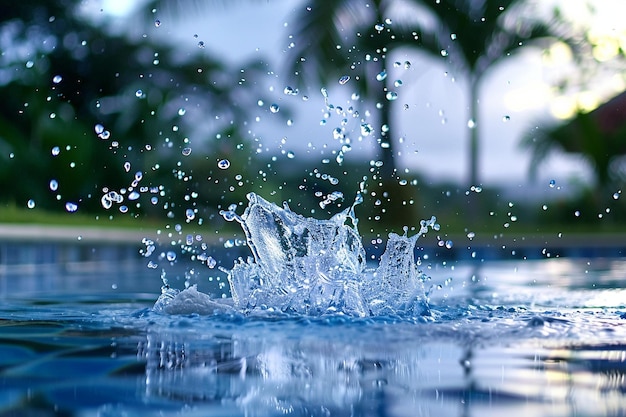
{"points": [[431, 110]]}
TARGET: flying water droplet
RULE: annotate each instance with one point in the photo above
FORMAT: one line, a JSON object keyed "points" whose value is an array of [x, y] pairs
{"points": [[127, 166], [274, 108], [139, 93], [290, 91], [98, 129], [56, 151], [552, 183], [181, 111], [190, 214], [616, 195], [344, 79], [57, 79], [54, 185], [186, 151], [228, 215], [223, 164], [134, 195], [471, 123], [157, 23], [170, 256], [506, 118], [397, 83], [71, 207], [391, 95], [366, 129], [381, 75], [30, 204]]}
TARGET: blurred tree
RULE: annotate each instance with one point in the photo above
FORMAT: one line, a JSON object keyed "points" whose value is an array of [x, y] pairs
{"points": [[355, 37], [89, 109], [599, 137]]}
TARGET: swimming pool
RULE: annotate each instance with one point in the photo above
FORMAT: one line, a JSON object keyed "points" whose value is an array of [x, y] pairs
{"points": [[523, 337]]}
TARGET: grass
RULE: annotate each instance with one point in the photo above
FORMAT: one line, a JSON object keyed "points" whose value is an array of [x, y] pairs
{"points": [[12, 214], [451, 224]]}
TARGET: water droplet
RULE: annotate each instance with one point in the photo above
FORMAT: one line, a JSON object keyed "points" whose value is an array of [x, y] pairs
{"points": [[616, 195], [53, 115], [344, 79], [139, 94], [29, 64], [291, 155], [201, 44], [106, 202], [443, 52], [290, 91], [99, 129], [186, 151], [274, 108], [407, 64], [56, 151], [57, 79], [223, 164], [30, 204], [134, 195], [71, 207], [471, 123], [157, 23], [577, 213], [190, 214], [228, 215], [506, 118], [379, 27], [449, 244], [552, 183], [381, 75], [54, 185], [397, 83], [105, 135], [181, 111], [366, 129], [324, 92], [391, 95], [170, 256], [127, 166]]}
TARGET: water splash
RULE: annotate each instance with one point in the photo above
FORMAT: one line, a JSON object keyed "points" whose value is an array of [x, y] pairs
{"points": [[308, 266]]}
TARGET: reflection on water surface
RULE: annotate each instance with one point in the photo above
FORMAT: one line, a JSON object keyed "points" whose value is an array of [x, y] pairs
{"points": [[516, 337]]}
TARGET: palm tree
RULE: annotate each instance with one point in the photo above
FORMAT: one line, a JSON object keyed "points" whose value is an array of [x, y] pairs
{"points": [[333, 38], [599, 137]]}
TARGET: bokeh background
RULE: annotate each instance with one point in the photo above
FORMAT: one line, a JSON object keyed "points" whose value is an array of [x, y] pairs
{"points": [[491, 115]]}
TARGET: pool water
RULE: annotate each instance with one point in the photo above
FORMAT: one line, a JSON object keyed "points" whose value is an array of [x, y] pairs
{"points": [[516, 338]]}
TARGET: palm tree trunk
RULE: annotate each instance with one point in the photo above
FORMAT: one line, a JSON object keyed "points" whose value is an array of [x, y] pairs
{"points": [[474, 127], [388, 170]]}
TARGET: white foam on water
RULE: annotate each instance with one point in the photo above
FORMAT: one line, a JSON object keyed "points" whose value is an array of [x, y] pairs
{"points": [[312, 267]]}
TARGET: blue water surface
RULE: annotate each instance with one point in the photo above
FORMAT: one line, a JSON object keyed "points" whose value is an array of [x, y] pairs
{"points": [[516, 338]]}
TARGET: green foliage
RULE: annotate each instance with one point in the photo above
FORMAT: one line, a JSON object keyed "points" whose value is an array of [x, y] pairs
{"points": [[64, 79]]}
